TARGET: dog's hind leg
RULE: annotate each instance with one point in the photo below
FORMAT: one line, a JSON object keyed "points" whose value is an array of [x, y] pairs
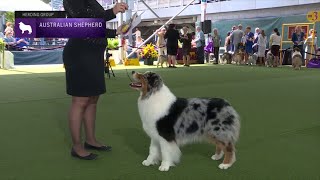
{"points": [[170, 154], [154, 154], [229, 157]]}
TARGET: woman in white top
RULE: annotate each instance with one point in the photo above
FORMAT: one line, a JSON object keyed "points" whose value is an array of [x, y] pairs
{"points": [[138, 43], [275, 40], [262, 43], [309, 47]]}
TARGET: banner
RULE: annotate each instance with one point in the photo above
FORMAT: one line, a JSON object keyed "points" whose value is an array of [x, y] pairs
{"points": [[56, 25]]}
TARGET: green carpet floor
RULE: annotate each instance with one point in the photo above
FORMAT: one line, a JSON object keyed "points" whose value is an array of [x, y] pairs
{"points": [[279, 139]]}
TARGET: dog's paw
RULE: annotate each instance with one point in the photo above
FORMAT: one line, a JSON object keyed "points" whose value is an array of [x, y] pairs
{"points": [[149, 163], [224, 166], [217, 156], [164, 168]]}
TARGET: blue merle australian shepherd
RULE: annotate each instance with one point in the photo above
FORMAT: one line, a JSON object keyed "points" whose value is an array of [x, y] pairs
{"points": [[171, 122]]}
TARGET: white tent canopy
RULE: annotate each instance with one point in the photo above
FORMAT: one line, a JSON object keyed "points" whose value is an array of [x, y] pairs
{"points": [[24, 5]]}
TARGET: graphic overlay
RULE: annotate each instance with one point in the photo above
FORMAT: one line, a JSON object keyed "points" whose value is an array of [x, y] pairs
{"points": [[55, 24]]}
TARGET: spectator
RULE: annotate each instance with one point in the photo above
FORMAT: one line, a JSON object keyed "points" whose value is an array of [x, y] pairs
{"points": [[200, 44], [310, 47], [137, 34], [256, 35], [227, 42], [161, 43], [262, 43], [21, 43], [139, 41], [172, 36], [249, 42], [10, 41], [236, 37], [9, 28], [216, 44], [186, 39], [298, 40], [275, 41]]}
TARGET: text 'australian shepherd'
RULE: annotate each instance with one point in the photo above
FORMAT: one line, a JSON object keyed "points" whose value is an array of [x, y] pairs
{"points": [[171, 122]]}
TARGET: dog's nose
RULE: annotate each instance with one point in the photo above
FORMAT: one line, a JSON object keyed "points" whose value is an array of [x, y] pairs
{"points": [[133, 72]]}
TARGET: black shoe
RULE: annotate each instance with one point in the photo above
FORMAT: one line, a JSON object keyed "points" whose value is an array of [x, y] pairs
{"points": [[101, 148], [91, 156]]}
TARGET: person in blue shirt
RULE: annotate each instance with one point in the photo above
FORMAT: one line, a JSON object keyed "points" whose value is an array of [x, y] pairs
{"points": [[249, 42], [10, 41], [21, 42], [298, 38]]}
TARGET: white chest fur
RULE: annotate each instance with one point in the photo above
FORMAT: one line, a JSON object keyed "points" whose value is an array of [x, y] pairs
{"points": [[155, 107]]}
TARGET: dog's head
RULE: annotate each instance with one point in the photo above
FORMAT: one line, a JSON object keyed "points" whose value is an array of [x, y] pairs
{"points": [[146, 83], [296, 52], [296, 49]]}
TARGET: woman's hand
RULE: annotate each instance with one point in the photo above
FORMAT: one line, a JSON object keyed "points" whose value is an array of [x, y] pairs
{"points": [[120, 7]]}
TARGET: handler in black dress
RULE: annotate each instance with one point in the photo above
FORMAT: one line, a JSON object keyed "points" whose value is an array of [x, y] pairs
{"points": [[172, 36], [84, 64]]}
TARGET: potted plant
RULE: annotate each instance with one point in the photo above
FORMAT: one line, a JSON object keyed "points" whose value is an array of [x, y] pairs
{"points": [[113, 48], [149, 54]]}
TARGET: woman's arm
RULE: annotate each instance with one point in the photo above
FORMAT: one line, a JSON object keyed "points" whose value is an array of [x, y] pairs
{"points": [[79, 8]]}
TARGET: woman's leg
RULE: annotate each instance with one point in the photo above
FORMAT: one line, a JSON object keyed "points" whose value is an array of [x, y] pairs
{"points": [[184, 58], [173, 61], [276, 61], [76, 116], [90, 120], [216, 54], [169, 60], [188, 60]]}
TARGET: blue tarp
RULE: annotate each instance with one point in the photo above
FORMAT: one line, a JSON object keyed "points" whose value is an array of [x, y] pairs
{"points": [[38, 57]]}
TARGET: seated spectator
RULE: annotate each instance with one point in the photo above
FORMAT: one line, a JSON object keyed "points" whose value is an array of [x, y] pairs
{"points": [[21, 42], [10, 41]]}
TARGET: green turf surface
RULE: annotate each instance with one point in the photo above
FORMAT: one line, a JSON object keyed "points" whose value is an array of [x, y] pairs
{"points": [[279, 138]]}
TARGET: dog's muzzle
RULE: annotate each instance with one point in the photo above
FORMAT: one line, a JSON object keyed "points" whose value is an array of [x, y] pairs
{"points": [[135, 84]]}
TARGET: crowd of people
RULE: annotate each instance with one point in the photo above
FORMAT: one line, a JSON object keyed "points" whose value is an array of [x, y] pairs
{"points": [[168, 40], [257, 43], [238, 39]]}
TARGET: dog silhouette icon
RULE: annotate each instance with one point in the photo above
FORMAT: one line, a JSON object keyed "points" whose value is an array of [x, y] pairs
{"points": [[24, 27]]}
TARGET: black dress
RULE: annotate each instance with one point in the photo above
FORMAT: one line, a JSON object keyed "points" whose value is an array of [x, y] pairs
{"points": [[172, 36], [84, 58], [186, 44]]}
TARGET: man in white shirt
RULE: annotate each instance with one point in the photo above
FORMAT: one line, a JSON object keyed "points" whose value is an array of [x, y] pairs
{"points": [[200, 44], [236, 37]]}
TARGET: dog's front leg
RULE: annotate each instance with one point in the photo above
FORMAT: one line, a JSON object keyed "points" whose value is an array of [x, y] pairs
{"points": [[154, 154], [170, 154]]}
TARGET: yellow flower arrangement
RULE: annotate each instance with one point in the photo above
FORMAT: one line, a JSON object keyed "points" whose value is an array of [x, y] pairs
{"points": [[149, 52]]}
